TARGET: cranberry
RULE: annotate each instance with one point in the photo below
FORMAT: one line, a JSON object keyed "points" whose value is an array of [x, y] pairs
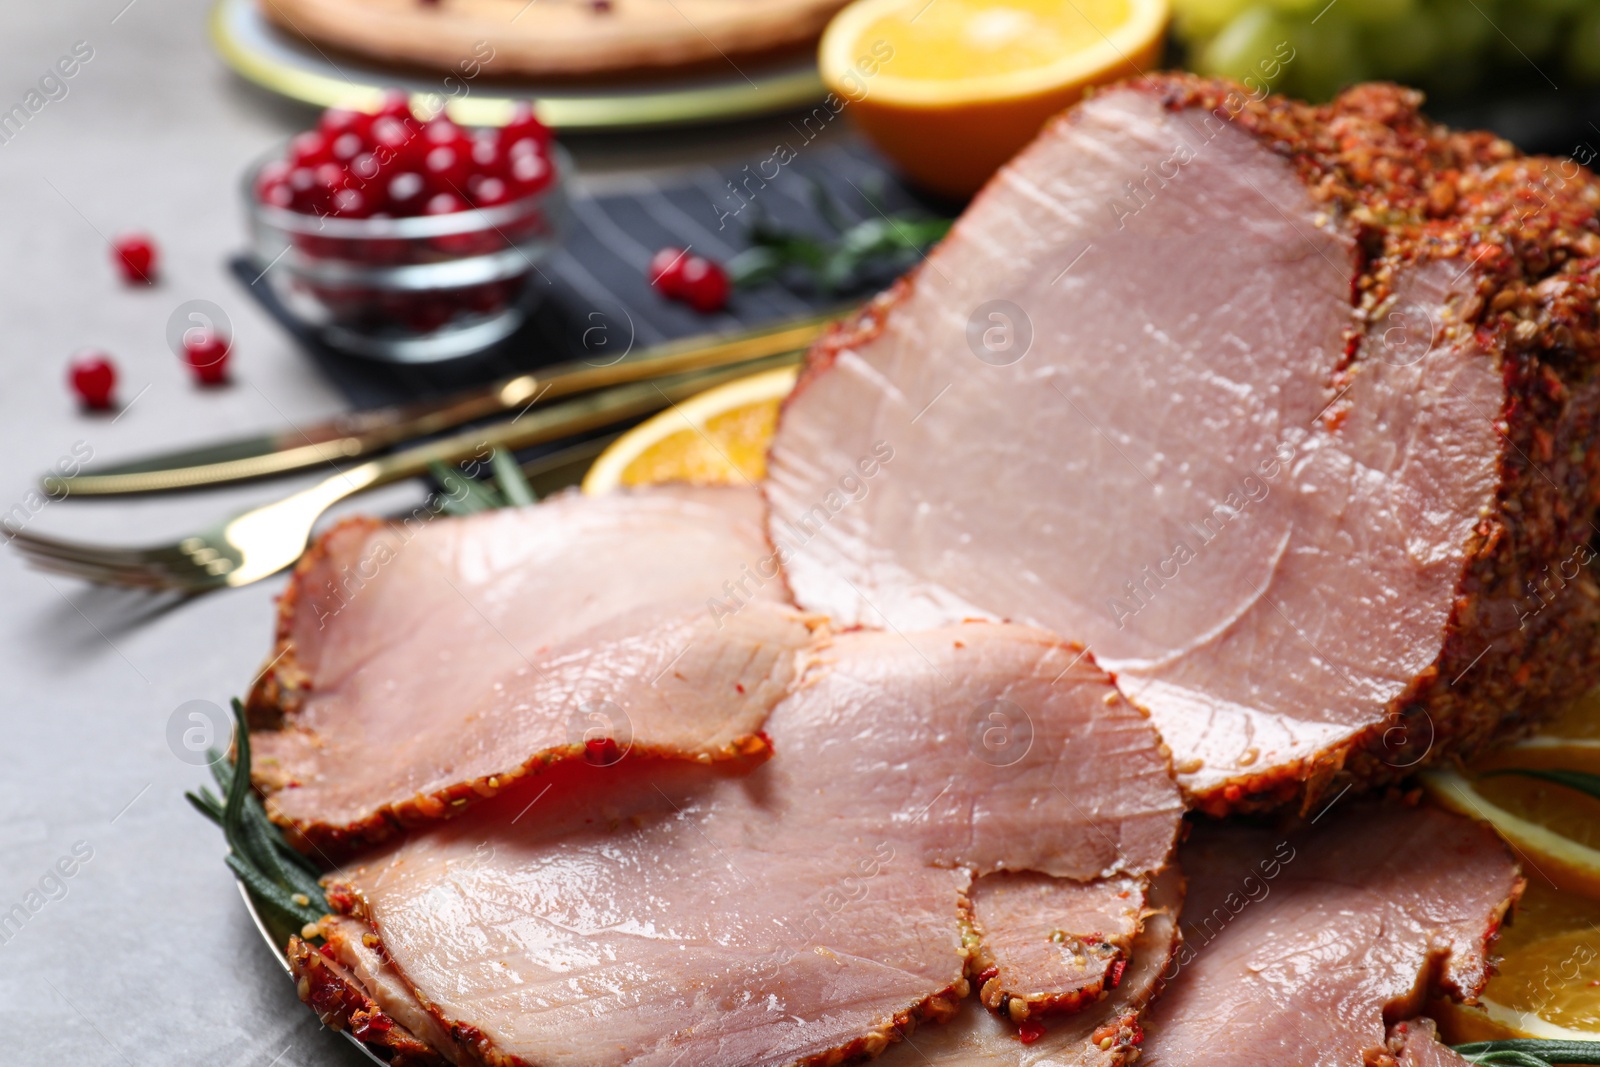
{"points": [[304, 192], [704, 284], [1029, 1031], [488, 191], [271, 173], [446, 168], [346, 147], [352, 202], [365, 168], [309, 149], [206, 352], [396, 105], [407, 193], [527, 168], [445, 203], [278, 195], [524, 124], [272, 184], [666, 271], [441, 131], [93, 378], [136, 256], [341, 120], [487, 158], [396, 143]]}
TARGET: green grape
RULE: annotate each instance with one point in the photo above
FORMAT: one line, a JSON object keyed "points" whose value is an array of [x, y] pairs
{"points": [[1403, 49], [1377, 12], [1198, 20], [1248, 48], [1562, 7], [1583, 47], [1298, 7], [1326, 57]]}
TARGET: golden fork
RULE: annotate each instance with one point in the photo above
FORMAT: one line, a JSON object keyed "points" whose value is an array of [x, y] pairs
{"points": [[264, 540]]}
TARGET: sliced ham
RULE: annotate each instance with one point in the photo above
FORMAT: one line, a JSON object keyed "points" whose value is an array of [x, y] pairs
{"points": [[1297, 948], [1416, 1043], [1048, 944], [344, 1000], [1287, 412], [810, 911], [422, 670], [1105, 1034]]}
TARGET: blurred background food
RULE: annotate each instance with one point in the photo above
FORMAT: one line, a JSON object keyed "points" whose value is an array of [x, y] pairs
{"points": [[1447, 47]]}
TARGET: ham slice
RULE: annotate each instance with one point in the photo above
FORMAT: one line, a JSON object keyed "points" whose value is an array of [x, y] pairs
{"points": [[1296, 948], [1287, 412], [810, 911], [1416, 1044], [1106, 1034], [420, 671]]}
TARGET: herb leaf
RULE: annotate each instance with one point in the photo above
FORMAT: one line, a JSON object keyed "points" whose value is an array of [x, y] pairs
{"points": [[836, 263], [278, 877], [1530, 1052], [1582, 781], [508, 476], [463, 495]]}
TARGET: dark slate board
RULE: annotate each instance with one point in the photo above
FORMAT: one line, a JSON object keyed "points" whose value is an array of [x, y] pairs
{"points": [[593, 295]]}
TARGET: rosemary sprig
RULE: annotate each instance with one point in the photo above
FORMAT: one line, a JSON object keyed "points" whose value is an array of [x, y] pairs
{"points": [[837, 263], [1529, 1052], [467, 496], [1582, 781], [281, 879]]}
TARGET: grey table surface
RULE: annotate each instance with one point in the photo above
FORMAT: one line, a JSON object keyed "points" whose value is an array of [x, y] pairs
{"points": [[145, 954]]}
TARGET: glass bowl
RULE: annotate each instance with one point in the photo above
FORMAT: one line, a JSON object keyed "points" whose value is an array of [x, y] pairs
{"points": [[408, 290]]}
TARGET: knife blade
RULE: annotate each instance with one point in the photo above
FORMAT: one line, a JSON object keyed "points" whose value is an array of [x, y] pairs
{"points": [[360, 433]]}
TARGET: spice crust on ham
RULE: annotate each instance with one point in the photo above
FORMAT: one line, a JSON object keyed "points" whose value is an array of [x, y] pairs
{"points": [[1415, 210]]}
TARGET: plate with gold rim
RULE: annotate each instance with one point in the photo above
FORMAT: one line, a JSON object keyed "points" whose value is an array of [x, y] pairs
{"points": [[261, 53]]}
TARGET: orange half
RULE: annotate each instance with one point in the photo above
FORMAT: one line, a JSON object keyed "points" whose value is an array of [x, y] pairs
{"points": [[951, 89]]}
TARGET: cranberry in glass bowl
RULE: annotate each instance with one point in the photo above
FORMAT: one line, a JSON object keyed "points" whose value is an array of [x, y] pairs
{"points": [[406, 240]]}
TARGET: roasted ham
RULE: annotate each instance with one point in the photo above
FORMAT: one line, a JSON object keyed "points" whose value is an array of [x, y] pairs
{"points": [[1105, 1034], [419, 671], [812, 910], [1287, 412], [1297, 947]]}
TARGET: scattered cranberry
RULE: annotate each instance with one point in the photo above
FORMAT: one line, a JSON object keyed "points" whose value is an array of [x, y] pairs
{"points": [[703, 284], [666, 271], [1029, 1031], [93, 378], [136, 255], [206, 352]]}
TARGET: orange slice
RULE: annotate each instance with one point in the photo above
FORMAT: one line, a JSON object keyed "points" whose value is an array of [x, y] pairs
{"points": [[716, 437], [951, 89], [1548, 985]]}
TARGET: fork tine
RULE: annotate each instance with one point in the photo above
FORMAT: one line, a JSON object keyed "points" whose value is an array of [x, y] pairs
{"points": [[130, 576], [80, 550], [68, 558]]}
